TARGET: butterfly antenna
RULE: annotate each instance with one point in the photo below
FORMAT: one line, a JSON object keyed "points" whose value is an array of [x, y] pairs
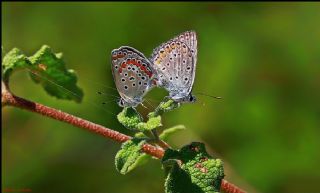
{"points": [[107, 94], [106, 102], [97, 83], [215, 97], [67, 90]]}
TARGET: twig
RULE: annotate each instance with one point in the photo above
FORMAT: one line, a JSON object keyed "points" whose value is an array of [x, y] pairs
{"points": [[8, 98]]}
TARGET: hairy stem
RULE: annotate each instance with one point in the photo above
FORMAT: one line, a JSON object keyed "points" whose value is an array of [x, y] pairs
{"points": [[161, 143], [7, 98], [12, 100]]}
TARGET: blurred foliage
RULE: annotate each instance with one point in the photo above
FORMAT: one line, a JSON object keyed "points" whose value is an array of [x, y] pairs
{"points": [[262, 58]]}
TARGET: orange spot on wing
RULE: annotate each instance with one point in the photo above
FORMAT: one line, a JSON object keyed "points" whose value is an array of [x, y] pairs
{"points": [[120, 56], [42, 67]]}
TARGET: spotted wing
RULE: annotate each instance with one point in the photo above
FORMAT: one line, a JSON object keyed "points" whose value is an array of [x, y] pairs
{"points": [[132, 73], [175, 64], [189, 38]]}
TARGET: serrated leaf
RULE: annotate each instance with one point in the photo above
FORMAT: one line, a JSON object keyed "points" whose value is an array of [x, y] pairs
{"points": [[192, 169], [166, 133], [166, 105], [49, 70], [130, 155], [14, 60], [140, 135], [152, 123], [130, 118]]}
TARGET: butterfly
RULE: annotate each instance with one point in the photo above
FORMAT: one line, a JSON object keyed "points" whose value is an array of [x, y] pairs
{"points": [[175, 65], [132, 74]]}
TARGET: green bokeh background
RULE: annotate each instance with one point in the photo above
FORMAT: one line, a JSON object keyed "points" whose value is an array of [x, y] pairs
{"points": [[262, 58]]}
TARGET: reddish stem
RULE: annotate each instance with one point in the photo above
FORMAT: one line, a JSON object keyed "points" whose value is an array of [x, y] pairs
{"points": [[230, 188], [9, 99]]}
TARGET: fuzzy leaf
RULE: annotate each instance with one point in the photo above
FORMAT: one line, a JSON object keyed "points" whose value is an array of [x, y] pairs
{"points": [[152, 123], [45, 68], [130, 155], [49, 70], [139, 135], [166, 133], [14, 60], [165, 106], [130, 118], [192, 169]]}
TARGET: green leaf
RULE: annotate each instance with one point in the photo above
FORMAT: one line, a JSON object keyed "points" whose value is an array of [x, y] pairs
{"points": [[192, 169], [166, 133], [13, 60], [140, 135], [130, 118], [49, 70], [130, 155], [152, 123], [165, 106]]}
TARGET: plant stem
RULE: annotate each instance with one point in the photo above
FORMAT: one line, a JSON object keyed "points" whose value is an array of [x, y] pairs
{"points": [[12, 100], [7, 98], [161, 143]]}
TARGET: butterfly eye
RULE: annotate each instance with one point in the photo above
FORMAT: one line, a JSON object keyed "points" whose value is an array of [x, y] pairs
{"points": [[121, 102], [191, 98]]}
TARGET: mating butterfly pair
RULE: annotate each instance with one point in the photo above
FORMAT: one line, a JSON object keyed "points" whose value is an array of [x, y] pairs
{"points": [[171, 66]]}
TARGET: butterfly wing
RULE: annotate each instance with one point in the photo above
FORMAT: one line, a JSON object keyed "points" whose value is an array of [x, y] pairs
{"points": [[132, 74], [175, 64], [189, 38]]}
